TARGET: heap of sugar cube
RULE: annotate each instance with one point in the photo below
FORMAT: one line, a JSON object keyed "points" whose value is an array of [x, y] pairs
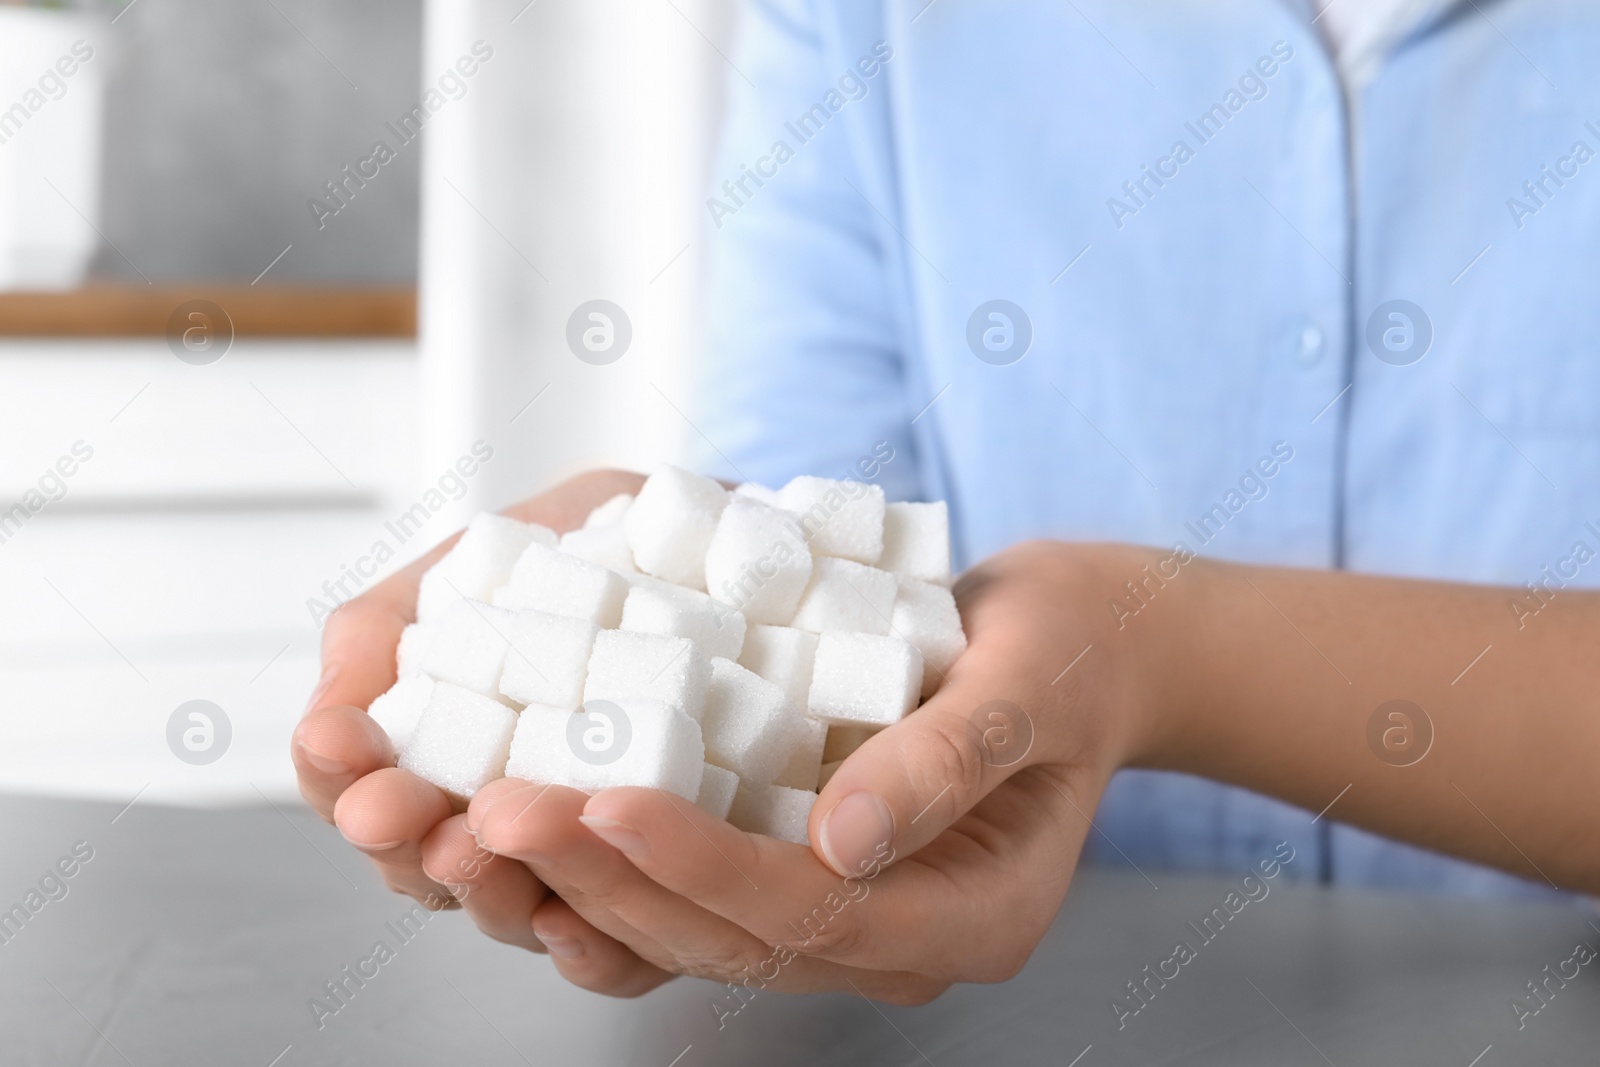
{"points": [[731, 648]]}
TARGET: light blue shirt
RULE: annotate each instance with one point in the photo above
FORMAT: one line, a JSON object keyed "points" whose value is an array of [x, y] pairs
{"points": [[1166, 192]]}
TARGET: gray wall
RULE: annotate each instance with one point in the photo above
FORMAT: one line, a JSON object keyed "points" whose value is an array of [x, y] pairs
{"points": [[223, 119]]}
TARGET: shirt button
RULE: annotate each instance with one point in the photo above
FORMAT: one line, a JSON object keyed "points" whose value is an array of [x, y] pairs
{"points": [[1309, 348]]}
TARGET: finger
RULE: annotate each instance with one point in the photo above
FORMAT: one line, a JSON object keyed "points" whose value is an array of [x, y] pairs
{"points": [[601, 964], [499, 894], [541, 825], [1010, 858], [331, 749], [538, 825], [590, 959], [914, 779], [386, 815]]}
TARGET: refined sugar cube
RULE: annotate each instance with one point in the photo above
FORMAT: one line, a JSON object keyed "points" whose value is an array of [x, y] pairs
{"points": [[469, 646], [773, 810], [540, 752], [843, 519], [609, 743], [633, 666], [398, 710], [844, 595], [671, 522], [925, 615], [604, 546], [782, 655], [749, 725], [757, 561], [479, 563], [461, 741], [916, 542], [413, 649], [715, 628], [757, 491], [826, 775], [547, 579], [717, 788], [843, 740], [664, 749], [610, 513], [864, 679], [548, 660], [805, 758]]}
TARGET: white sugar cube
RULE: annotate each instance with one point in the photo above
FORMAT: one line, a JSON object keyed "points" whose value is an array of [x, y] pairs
{"points": [[758, 562], [773, 810], [826, 774], [782, 655], [925, 615], [540, 751], [469, 646], [633, 666], [547, 579], [916, 541], [749, 725], [715, 628], [461, 741], [604, 546], [717, 788], [548, 660], [842, 519], [759, 492], [479, 563], [610, 743], [410, 654], [805, 759], [864, 679], [670, 525], [843, 740], [843, 595], [662, 749], [398, 710], [610, 513]]}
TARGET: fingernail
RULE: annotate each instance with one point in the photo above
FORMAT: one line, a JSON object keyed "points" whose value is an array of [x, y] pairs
{"points": [[568, 948], [479, 809], [325, 764], [328, 675], [855, 832], [385, 846], [624, 839]]}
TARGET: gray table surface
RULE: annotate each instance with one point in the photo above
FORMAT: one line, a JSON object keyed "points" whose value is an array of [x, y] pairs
{"points": [[198, 937]]}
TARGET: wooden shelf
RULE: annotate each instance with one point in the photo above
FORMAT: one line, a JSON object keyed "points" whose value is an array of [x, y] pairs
{"points": [[256, 311]]}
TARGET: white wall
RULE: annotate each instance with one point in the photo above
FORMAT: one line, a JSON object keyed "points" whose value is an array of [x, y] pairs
{"points": [[575, 170]]}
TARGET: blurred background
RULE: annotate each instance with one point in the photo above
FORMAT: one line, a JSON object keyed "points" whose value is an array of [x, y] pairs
{"points": [[268, 270]]}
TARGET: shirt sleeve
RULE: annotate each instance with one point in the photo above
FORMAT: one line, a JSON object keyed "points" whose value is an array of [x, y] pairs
{"points": [[801, 371]]}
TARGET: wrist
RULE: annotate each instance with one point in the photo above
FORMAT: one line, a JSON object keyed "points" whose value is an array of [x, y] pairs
{"points": [[1145, 610]]}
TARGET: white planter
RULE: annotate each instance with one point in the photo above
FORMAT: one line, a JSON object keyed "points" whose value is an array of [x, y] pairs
{"points": [[51, 105]]}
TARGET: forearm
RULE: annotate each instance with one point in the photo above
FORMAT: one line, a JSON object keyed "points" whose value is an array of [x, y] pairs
{"points": [[1270, 678]]}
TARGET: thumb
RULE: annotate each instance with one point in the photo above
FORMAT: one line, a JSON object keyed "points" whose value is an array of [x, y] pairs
{"points": [[908, 783]]}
